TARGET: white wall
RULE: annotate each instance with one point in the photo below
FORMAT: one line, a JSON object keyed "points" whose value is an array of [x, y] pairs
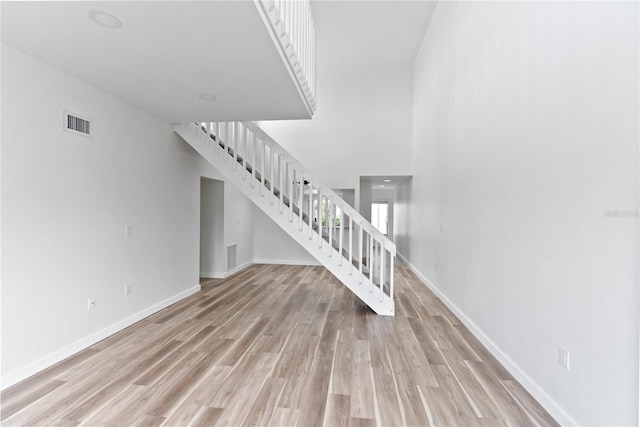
{"points": [[212, 252], [238, 226], [272, 245], [237, 220], [66, 202], [402, 218], [365, 197], [362, 125], [525, 137]]}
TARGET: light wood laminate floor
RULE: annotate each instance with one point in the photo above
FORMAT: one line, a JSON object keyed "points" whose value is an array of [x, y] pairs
{"points": [[281, 346]]}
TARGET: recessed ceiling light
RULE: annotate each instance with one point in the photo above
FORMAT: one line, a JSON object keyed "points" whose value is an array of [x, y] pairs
{"points": [[387, 180], [105, 19], [207, 97], [382, 186]]}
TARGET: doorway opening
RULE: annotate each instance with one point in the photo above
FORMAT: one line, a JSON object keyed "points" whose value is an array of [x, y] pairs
{"points": [[380, 216]]}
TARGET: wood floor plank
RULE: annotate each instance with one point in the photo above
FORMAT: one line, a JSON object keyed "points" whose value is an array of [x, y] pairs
{"points": [[362, 404], [388, 403], [206, 417], [264, 405], [281, 346], [509, 408], [527, 402], [285, 417], [197, 399], [14, 405], [337, 414]]}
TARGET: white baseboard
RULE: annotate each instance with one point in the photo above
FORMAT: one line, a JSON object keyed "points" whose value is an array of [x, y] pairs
{"points": [[286, 262], [237, 269], [210, 275], [51, 359], [556, 411]]}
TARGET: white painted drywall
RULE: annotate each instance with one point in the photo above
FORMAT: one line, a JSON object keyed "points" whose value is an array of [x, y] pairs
{"points": [[66, 201], [402, 218], [362, 125], [525, 142], [238, 226], [272, 245], [348, 195], [237, 223], [212, 254], [365, 197]]}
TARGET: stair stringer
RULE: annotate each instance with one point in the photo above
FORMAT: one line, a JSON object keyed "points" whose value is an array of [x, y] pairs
{"points": [[359, 284]]}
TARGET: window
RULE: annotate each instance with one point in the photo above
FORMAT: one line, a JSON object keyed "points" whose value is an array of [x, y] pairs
{"points": [[379, 216]]}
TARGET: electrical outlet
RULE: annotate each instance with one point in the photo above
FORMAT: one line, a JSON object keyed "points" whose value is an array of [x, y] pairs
{"points": [[91, 304], [127, 289], [563, 358]]}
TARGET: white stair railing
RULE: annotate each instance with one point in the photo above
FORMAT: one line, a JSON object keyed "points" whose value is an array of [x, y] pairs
{"points": [[291, 23], [328, 227]]}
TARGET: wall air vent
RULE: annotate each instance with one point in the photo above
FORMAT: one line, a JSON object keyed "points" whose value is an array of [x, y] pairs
{"points": [[231, 257], [78, 125]]}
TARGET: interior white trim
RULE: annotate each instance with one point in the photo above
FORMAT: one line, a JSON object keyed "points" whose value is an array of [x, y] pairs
{"points": [[547, 402], [212, 275], [51, 359], [237, 268], [285, 262]]}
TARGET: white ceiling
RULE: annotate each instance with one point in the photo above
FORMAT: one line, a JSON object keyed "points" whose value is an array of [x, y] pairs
{"points": [[370, 32], [385, 182], [169, 52], [164, 56]]}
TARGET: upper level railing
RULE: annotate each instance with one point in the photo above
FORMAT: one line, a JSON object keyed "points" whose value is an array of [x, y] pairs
{"points": [[291, 22]]}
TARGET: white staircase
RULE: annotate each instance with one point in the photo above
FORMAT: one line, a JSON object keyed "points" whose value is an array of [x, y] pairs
{"points": [[311, 213]]}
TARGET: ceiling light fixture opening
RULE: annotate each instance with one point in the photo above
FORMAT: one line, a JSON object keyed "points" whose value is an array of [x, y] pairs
{"points": [[105, 19], [207, 97], [387, 180]]}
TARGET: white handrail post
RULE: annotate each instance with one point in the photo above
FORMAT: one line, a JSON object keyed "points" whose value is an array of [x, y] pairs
{"points": [[245, 151], [253, 159], [360, 257], [235, 145], [382, 260], [301, 198], [218, 140], [341, 236], [281, 181], [330, 223], [350, 245], [391, 275], [310, 209], [271, 173], [320, 212], [370, 262], [291, 177], [264, 154], [226, 142]]}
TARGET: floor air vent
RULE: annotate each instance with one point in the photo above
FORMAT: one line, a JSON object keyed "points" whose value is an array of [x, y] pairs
{"points": [[76, 124], [231, 257]]}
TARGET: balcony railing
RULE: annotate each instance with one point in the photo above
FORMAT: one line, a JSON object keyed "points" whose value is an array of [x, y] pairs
{"points": [[291, 23]]}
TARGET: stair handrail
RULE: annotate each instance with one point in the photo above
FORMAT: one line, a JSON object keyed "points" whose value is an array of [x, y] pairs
{"points": [[389, 245]]}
